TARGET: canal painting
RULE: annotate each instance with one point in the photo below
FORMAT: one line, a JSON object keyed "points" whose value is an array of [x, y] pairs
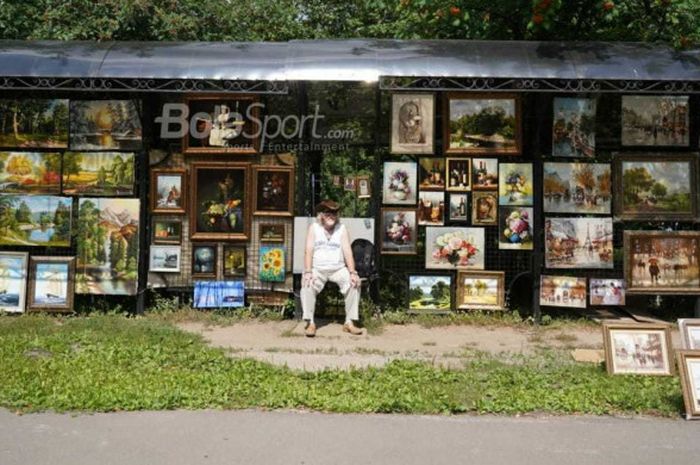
{"points": [[34, 123], [655, 120], [578, 242], [35, 220], [104, 125], [583, 188], [573, 131]]}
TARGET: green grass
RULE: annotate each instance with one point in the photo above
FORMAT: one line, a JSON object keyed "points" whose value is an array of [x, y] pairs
{"points": [[109, 363]]}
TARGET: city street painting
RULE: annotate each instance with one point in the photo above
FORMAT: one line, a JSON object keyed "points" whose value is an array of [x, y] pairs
{"points": [[582, 188], [578, 242], [98, 173], [607, 291], [107, 244], [515, 184], [35, 220], [454, 247], [573, 131], [563, 291], [104, 125], [481, 290], [515, 228], [30, 172], [690, 333], [655, 120], [51, 283], [34, 123], [429, 292], [13, 281], [637, 348]]}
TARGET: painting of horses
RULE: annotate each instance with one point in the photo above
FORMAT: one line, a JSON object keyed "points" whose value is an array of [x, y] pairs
{"points": [[662, 262]]}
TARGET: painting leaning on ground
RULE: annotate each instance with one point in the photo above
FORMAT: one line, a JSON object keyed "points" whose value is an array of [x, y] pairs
{"points": [[34, 123], [35, 220]]}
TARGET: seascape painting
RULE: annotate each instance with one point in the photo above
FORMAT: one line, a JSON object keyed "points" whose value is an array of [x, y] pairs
{"points": [[13, 281]]}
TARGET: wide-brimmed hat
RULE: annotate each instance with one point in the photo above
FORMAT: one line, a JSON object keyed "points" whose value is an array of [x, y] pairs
{"points": [[328, 206]]}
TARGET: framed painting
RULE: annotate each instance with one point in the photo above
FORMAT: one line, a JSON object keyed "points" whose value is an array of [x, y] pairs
{"points": [[690, 333], [430, 174], [107, 244], [268, 232], [579, 188], [165, 258], [637, 349], [429, 293], [218, 294], [484, 174], [412, 123], [350, 184], [51, 284], [30, 172], [274, 190], [482, 123], [219, 204], [168, 191], [223, 124], [13, 281], [105, 125], [272, 264], [235, 260], [450, 248], [458, 208], [398, 231], [98, 173], [35, 220], [689, 370], [515, 184], [656, 187], [607, 292], [364, 187], [485, 208], [562, 291], [167, 231], [573, 129], [204, 260], [458, 174], [578, 243], [400, 183], [515, 228], [481, 290], [655, 120], [431, 208], [662, 262], [34, 123]]}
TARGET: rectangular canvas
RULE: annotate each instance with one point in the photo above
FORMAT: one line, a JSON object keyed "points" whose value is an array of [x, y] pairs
{"points": [[484, 173], [274, 190], [168, 191], [234, 261], [165, 259], [272, 264], [662, 262], [364, 187], [515, 228], [431, 174], [98, 173], [34, 123], [107, 244], [223, 124], [105, 125], [429, 293], [431, 208], [398, 231], [400, 183], [458, 175], [13, 281], [481, 290], [580, 188], [51, 283], [578, 243], [454, 247], [485, 208], [459, 207], [271, 232], [655, 120], [573, 130], [689, 368], [482, 123], [166, 231], [35, 220], [218, 294], [204, 260], [607, 291], [515, 184], [30, 172], [563, 291], [412, 123], [637, 349], [656, 187], [690, 333]]}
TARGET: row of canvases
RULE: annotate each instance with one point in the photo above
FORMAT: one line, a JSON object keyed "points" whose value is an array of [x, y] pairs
{"points": [[580, 197]]}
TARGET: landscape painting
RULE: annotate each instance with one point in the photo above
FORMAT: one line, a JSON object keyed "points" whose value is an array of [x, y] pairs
{"points": [[583, 188], [34, 123], [655, 120], [13, 281], [30, 172], [104, 125], [51, 285], [168, 191], [454, 247], [164, 258], [107, 244], [98, 173], [578, 243], [515, 184], [515, 228], [573, 131], [481, 290], [563, 291], [35, 220], [412, 122], [639, 349], [429, 293]]}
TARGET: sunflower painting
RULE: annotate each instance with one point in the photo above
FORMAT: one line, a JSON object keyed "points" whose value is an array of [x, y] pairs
{"points": [[272, 264]]}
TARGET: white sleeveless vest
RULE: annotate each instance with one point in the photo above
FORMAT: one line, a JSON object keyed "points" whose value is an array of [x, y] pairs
{"points": [[328, 253]]}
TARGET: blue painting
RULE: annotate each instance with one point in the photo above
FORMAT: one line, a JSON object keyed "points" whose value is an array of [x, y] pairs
{"points": [[219, 294]]}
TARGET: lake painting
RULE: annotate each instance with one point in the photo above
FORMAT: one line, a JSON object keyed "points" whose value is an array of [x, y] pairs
{"points": [[35, 220], [104, 125], [430, 292]]}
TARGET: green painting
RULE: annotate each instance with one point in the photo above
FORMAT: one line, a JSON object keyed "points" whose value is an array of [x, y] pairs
{"points": [[103, 173], [34, 123], [35, 220], [30, 172]]}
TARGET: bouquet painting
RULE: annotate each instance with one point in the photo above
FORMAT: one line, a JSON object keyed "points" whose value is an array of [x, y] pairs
{"points": [[448, 247], [399, 183], [399, 228]]}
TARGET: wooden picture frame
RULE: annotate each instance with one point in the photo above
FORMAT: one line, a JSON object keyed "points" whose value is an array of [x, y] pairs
{"points": [[364, 187], [626, 350], [430, 173], [457, 207], [54, 301], [271, 232], [233, 254], [412, 123], [164, 258], [422, 280], [506, 102], [399, 228], [478, 276], [485, 208], [690, 333], [166, 231], [175, 202], [458, 174], [641, 260], [200, 264], [689, 372], [264, 179]]}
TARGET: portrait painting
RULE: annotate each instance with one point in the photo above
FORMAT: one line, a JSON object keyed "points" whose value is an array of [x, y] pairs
{"points": [[485, 208], [573, 130], [412, 123], [105, 125], [581, 188], [364, 187]]}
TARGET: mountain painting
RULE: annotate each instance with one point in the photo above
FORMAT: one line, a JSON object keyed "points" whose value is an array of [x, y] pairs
{"points": [[35, 220], [107, 246]]}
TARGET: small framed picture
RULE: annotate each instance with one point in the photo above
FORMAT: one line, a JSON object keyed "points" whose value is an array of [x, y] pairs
{"points": [[637, 349], [690, 333], [168, 191], [13, 269], [607, 292], [481, 290], [484, 174], [485, 208], [51, 284], [274, 190], [563, 291], [165, 259], [431, 208], [458, 174], [337, 180], [431, 174], [430, 293], [167, 231], [235, 260], [400, 183], [398, 231], [364, 188], [350, 184], [458, 207], [515, 184], [412, 123], [204, 260], [573, 130], [515, 230], [452, 247], [272, 263], [271, 232], [689, 368]]}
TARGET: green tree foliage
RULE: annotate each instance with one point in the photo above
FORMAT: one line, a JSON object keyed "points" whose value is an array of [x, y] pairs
{"points": [[24, 213], [8, 219], [635, 181], [71, 164], [90, 235], [439, 290], [61, 222]]}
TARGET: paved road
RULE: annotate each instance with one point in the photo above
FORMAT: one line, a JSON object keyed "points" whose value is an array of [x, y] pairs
{"points": [[270, 438]]}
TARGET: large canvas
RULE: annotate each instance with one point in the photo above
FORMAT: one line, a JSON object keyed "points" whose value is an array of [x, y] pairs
{"points": [[573, 131], [515, 184], [637, 349], [582, 188], [515, 228], [13, 281], [655, 120], [30, 172], [429, 292], [563, 291], [454, 247], [34, 123], [578, 242], [35, 220], [98, 173], [412, 123], [104, 125], [398, 231], [107, 244], [223, 124], [481, 290], [400, 183], [51, 283]]}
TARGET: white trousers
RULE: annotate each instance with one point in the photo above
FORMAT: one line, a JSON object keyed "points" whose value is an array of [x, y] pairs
{"points": [[342, 278]]}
